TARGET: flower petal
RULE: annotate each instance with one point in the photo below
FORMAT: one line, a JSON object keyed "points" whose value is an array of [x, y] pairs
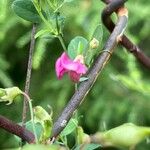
{"points": [[59, 69], [74, 76], [67, 63], [82, 69]]}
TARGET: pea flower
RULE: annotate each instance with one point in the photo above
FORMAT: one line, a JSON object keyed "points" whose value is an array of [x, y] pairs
{"points": [[74, 68]]}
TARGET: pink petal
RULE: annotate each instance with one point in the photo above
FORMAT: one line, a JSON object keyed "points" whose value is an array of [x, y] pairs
{"points": [[82, 69], [59, 69], [74, 76], [67, 63]]}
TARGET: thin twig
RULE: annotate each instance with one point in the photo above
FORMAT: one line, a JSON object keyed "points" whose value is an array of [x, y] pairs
{"points": [[28, 76], [132, 48], [16, 129], [92, 75]]}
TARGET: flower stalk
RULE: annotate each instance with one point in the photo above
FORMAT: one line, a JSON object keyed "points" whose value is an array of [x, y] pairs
{"points": [[31, 115]]}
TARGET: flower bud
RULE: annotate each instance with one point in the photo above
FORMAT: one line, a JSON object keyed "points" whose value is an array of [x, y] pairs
{"points": [[124, 136], [9, 94], [94, 43], [82, 137]]}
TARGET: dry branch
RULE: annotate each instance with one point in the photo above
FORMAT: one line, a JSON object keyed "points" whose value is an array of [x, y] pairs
{"points": [[132, 48], [16, 129], [28, 75]]}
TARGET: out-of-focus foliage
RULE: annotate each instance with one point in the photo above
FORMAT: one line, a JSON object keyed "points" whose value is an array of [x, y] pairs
{"points": [[122, 92]]}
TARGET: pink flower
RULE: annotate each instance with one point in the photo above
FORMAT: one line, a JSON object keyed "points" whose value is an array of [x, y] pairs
{"points": [[75, 68]]}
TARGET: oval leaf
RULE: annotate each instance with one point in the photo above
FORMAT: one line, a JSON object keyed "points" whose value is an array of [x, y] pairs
{"points": [[77, 46], [26, 10]]}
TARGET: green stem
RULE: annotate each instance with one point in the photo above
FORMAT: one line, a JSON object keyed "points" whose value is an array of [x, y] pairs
{"points": [[59, 35], [32, 119], [64, 140], [76, 87], [48, 24], [32, 116], [62, 42]]}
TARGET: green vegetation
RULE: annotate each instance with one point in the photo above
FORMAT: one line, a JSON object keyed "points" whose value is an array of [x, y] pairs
{"points": [[122, 92]]}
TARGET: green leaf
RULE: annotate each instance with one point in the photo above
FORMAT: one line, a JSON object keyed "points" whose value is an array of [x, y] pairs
{"points": [[39, 52], [98, 33], [29, 127], [88, 146], [42, 117], [41, 114], [83, 79], [77, 46], [23, 40], [71, 126], [94, 44], [41, 147], [41, 32], [91, 146], [26, 10], [38, 128], [68, 1], [58, 21]]}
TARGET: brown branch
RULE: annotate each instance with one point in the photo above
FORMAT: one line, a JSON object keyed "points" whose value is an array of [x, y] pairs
{"points": [[135, 50], [16, 129], [92, 75], [28, 76]]}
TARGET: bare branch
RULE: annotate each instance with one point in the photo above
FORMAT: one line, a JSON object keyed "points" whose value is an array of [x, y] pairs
{"points": [[16, 129], [137, 52], [28, 76]]}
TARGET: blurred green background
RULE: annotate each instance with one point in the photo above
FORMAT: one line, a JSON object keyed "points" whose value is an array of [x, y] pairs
{"points": [[121, 93]]}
